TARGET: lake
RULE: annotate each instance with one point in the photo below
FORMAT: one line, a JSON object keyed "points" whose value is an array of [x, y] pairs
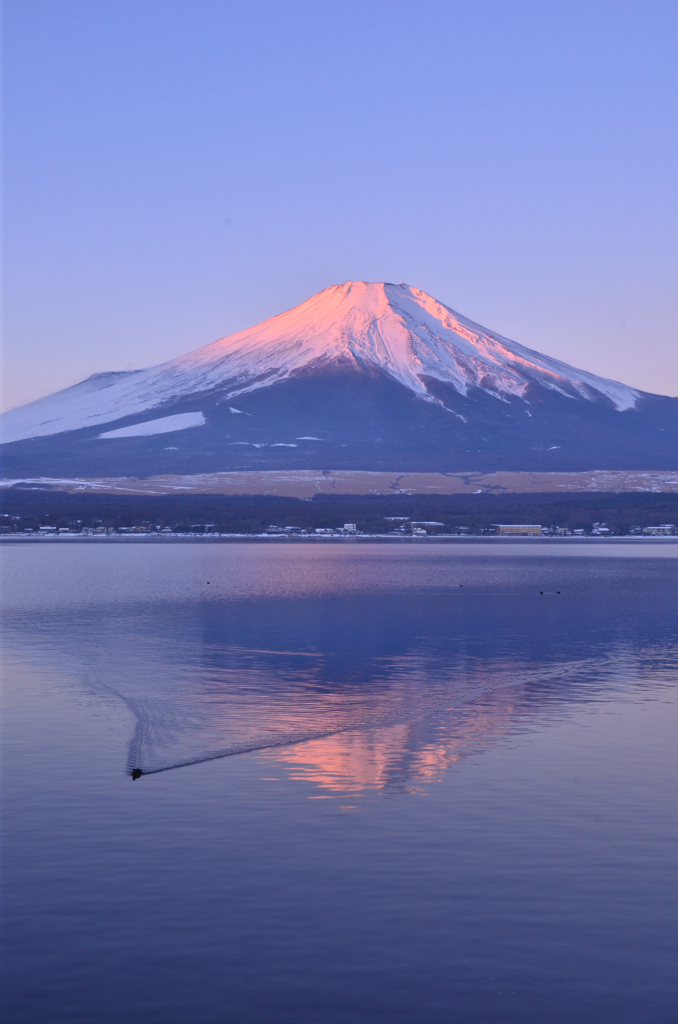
{"points": [[380, 783]]}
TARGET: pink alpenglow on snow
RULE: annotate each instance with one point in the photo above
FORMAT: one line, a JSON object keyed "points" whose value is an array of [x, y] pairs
{"points": [[395, 328]]}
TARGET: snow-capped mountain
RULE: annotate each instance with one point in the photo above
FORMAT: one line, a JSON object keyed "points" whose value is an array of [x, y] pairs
{"points": [[361, 374], [390, 327]]}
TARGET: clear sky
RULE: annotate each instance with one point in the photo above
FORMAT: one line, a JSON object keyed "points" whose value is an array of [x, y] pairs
{"points": [[177, 171]]}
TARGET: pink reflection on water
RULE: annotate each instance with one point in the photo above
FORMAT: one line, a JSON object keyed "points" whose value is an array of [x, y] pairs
{"points": [[393, 756]]}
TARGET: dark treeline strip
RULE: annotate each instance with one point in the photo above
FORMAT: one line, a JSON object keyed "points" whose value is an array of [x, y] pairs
{"points": [[254, 513]]}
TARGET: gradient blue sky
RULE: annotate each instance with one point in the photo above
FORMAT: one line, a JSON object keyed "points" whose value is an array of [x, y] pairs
{"points": [[177, 171]]}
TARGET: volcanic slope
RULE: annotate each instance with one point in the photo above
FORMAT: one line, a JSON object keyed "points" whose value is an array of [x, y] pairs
{"points": [[368, 376]]}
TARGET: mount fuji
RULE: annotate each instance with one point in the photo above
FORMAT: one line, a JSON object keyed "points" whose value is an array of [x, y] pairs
{"points": [[364, 376]]}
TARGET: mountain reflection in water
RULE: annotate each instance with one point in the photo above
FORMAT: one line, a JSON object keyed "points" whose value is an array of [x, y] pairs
{"points": [[395, 757], [459, 804], [356, 671], [411, 723]]}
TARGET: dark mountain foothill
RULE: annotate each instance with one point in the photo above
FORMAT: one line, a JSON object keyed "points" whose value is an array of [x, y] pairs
{"points": [[31, 508]]}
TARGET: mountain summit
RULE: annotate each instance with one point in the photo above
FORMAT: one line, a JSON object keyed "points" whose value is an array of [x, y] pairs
{"points": [[361, 375]]}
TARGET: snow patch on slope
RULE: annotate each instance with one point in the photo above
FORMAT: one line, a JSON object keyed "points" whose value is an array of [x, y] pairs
{"points": [[164, 425]]}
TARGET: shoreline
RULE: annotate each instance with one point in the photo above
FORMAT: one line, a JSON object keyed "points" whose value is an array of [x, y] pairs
{"points": [[365, 538]]}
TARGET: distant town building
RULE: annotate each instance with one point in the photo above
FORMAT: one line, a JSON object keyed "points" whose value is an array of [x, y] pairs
{"points": [[350, 528], [428, 527], [666, 529], [521, 530]]}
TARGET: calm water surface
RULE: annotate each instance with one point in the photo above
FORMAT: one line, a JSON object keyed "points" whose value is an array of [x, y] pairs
{"points": [[381, 783]]}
